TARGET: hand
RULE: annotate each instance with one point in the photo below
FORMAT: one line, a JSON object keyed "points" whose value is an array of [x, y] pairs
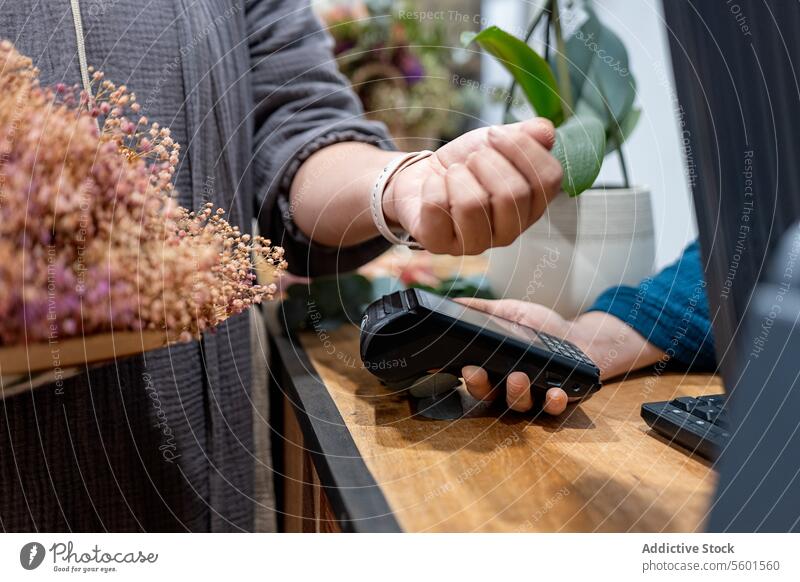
{"points": [[479, 191], [608, 341]]}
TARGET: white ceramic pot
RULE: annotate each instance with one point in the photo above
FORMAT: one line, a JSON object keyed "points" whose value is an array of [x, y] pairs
{"points": [[579, 248]]}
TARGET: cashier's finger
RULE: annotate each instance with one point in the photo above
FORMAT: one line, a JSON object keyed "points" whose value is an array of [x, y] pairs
{"points": [[555, 401], [477, 382], [518, 392]]}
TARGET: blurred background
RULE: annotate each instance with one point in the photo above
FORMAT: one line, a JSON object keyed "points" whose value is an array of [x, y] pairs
{"points": [[409, 63]]}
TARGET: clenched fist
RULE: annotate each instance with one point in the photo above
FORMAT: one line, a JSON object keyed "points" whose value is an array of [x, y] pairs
{"points": [[479, 191]]}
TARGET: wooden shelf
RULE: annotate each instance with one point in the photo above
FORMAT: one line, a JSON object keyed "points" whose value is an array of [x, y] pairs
{"points": [[23, 367]]}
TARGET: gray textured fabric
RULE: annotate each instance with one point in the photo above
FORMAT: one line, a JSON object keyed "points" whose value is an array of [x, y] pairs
{"points": [[164, 441]]}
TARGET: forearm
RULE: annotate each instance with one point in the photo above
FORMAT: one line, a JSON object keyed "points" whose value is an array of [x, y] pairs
{"points": [[330, 195], [670, 309], [615, 347]]}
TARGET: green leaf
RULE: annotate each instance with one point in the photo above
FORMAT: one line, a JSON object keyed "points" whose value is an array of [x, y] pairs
{"points": [[532, 73], [579, 57], [608, 86], [623, 132], [610, 99], [326, 302], [580, 147], [601, 81]]}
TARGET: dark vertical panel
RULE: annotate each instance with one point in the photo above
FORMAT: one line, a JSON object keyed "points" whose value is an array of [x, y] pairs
{"points": [[737, 83], [736, 79]]}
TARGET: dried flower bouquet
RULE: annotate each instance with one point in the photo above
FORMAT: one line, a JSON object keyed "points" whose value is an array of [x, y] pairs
{"points": [[92, 240]]}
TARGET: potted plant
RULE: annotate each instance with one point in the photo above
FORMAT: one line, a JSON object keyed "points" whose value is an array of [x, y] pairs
{"points": [[592, 236]]}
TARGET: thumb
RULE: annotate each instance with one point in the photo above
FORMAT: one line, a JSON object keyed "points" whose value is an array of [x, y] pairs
{"points": [[505, 308], [540, 129], [530, 314]]}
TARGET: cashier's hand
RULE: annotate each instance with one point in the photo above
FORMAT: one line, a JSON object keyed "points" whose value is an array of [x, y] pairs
{"points": [[610, 343], [518, 385], [479, 191]]}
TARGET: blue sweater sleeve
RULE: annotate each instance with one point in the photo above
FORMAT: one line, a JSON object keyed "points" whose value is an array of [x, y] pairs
{"points": [[670, 310]]}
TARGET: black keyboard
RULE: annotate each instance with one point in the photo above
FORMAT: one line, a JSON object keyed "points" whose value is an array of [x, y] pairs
{"points": [[699, 424], [563, 347]]}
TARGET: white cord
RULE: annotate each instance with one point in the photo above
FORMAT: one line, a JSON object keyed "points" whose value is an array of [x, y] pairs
{"points": [[378, 191], [76, 18]]}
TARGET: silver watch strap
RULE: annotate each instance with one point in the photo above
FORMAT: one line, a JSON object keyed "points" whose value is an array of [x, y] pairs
{"points": [[378, 191]]}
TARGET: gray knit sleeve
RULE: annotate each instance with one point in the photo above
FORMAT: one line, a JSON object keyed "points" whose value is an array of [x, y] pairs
{"points": [[302, 104]]}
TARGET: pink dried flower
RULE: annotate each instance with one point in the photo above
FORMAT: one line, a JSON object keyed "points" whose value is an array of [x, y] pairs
{"points": [[91, 238]]}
